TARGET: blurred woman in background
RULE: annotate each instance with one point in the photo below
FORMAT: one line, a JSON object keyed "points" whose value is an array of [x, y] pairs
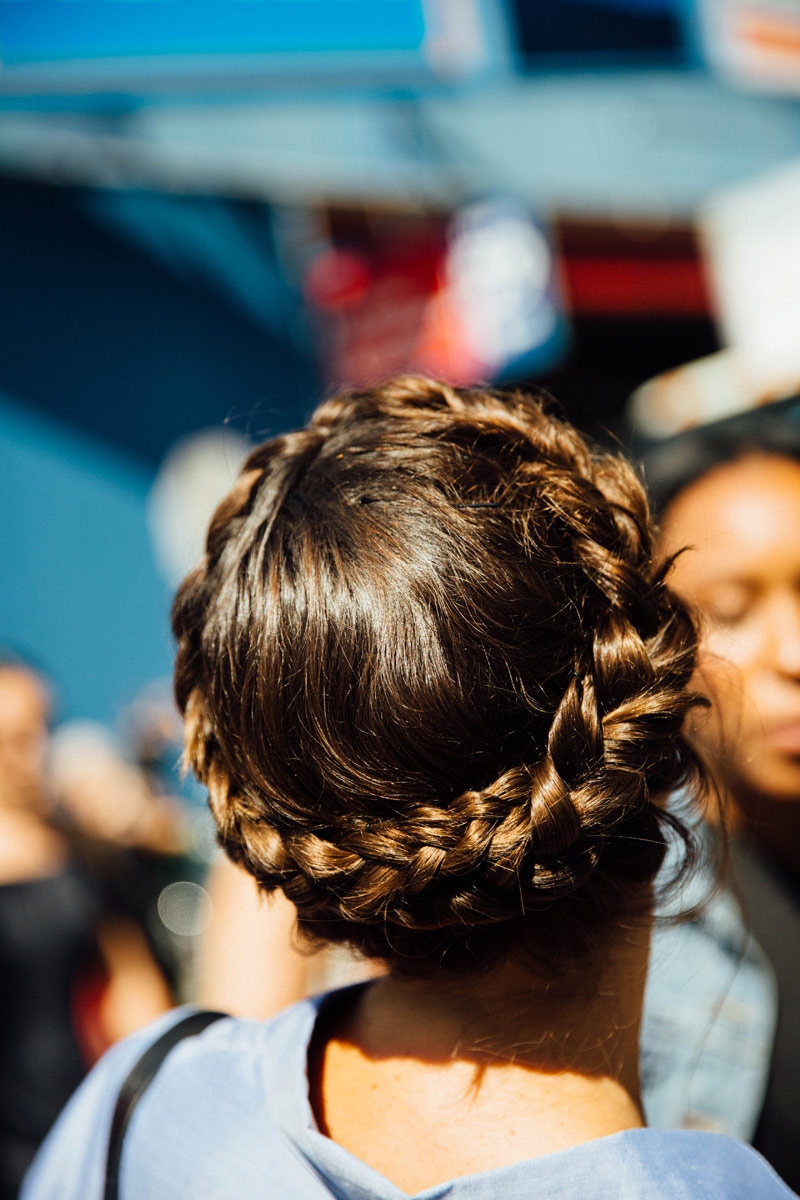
{"points": [[721, 1038], [75, 976], [48, 916]]}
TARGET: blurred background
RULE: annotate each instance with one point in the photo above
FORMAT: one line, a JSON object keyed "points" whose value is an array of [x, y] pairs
{"points": [[214, 211], [211, 212]]}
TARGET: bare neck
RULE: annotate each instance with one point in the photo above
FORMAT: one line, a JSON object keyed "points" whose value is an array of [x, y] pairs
{"points": [[427, 1082], [29, 847]]}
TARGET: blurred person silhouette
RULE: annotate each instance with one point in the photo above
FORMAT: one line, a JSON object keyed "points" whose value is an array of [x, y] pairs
{"points": [[48, 916], [249, 959], [436, 686], [252, 960], [88, 764], [70, 986], [128, 839], [721, 1036], [246, 958]]}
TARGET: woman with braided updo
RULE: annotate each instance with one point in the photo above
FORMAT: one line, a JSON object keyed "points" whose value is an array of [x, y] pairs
{"points": [[435, 684]]}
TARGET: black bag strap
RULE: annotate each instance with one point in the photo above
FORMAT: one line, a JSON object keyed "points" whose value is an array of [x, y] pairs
{"points": [[137, 1081]]}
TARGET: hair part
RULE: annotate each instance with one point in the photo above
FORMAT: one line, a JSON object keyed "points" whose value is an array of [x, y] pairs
{"points": [[434, 680]]}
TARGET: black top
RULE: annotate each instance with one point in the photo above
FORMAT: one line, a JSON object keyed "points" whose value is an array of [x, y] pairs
{"points": [[46, 936], [771, 899]]}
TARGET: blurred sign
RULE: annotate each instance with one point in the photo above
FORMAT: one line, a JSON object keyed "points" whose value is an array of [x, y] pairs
{"points": [[752, 240], [139, 45], [473, 298], [501, 281], [753, 43], [751, 236], [632, 267], [698, 393], [611, 32]]}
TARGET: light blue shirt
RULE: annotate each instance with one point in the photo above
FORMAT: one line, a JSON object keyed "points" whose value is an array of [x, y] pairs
{"points": [[710, 1013], [228, 1118]]}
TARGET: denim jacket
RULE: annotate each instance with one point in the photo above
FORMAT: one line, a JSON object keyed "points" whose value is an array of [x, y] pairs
{"points": [[709, 1020]]}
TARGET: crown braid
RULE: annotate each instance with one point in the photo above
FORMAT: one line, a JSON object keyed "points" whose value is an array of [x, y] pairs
{"points": [[433, 678]]}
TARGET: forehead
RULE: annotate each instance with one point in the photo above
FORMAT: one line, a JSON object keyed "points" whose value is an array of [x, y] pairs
{"points": [[741, 519]]}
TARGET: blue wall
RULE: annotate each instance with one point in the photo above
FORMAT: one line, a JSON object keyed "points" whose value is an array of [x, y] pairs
{"points": [[79, 588]]}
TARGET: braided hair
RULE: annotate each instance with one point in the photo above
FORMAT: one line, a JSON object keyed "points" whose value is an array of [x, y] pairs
{"points": [[434, 681]]}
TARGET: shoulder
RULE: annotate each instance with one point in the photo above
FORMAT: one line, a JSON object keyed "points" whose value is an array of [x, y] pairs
{"points": [[651, 1164], [221, 1070], [706, 1166], [71, 1162]]}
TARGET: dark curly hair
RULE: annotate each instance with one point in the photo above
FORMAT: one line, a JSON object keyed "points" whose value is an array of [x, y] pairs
{"points": [[434, 680]]}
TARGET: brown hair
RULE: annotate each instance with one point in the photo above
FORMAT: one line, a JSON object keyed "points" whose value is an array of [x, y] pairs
{"points": [[434, 680]]}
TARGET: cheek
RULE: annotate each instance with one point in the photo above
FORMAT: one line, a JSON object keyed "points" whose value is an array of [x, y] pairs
{"points": [[733, 719], [729, 666], [731, 733]]}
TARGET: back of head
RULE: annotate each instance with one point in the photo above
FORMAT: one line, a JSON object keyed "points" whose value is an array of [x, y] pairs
{"points": [[434, 681]]}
